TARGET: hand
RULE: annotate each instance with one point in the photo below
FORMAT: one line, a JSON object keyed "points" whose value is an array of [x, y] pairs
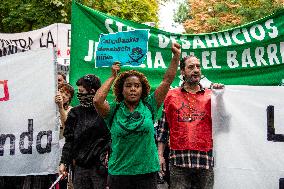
{"points": [[176, 49], [115, 68], [62, 170], [217, 86], [162, 164], [106, 160], [59, 100]]}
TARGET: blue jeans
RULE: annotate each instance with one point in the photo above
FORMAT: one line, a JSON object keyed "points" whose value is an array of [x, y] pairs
{"points": [[190, 178]]}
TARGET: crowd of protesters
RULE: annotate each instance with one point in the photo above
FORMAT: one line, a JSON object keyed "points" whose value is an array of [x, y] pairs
{"points": [[115, 144]]}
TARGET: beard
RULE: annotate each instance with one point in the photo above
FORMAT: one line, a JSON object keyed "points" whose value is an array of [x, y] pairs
{"points": [[191, 80]]}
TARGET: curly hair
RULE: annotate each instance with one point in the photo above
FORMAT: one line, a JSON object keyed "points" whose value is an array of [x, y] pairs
{"points": [[118, 85]]}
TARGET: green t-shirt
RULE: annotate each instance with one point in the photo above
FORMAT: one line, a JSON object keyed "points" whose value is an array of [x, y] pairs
{"points": [[133, 144]]}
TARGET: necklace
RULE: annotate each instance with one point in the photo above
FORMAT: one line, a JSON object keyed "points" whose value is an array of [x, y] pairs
{"points": [[189, 105]]}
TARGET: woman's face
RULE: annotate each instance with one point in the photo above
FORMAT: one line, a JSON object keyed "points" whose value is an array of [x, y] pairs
{"points": [[132, 89], [65, 95], [60, 79]]}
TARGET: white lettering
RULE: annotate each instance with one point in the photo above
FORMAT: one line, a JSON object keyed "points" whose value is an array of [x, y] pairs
{"points": [[205, 61], [185, 44], [246, 59], [234, 36], [119, 26], [173, 38], [89, 57], [274, 29], [261, 32], [282, 51], [109, 22], [227, 37], [213, 60], [259, 52], [231, 59], [159, 62], [149, 60], [246, 34], [271, 52], [197, 42], [163, 41], [211, 41]]}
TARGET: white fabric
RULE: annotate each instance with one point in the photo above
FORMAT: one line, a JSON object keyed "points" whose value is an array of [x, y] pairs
{"points": [[31, 79], [56, 36], [244, 158]]}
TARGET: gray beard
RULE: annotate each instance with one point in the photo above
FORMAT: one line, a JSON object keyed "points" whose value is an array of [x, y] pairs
{"points": [[190, 82]]}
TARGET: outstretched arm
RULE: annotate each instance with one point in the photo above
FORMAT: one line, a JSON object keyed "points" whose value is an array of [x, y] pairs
{"points": [[99, 100], [169, 76]]}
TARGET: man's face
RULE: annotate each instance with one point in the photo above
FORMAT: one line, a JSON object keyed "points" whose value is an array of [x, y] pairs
{"points": [[132, 89], [192, 71]]}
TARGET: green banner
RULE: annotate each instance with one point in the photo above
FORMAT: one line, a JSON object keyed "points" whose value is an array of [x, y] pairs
{"points": [[252, 54]]}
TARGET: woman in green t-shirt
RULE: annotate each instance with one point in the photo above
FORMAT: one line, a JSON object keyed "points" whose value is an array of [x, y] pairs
{"points": [[133, 161]]}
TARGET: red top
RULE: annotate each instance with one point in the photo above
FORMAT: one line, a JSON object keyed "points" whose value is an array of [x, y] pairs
{"points": [[189, 118]]}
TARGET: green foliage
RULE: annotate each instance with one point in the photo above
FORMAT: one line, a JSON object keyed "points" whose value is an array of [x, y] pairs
{"points": [[21, 16], [182, 13], [27, 15], [136, 10], [254, 10]]}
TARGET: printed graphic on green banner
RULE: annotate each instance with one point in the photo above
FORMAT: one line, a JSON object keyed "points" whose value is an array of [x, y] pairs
{"points": [[129, 48]]}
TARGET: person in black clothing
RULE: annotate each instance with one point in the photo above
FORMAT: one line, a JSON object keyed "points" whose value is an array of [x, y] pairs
{"points": [[86, 139]]}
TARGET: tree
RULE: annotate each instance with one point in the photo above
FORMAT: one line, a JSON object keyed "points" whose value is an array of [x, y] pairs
{"points": [[27, 15], [136, 10], [217, 15], [181, 14], [24, 15]]}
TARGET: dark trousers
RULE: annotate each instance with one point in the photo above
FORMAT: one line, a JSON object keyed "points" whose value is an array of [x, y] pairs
{"points": [[11, 182], [187, 178], [88, 178], [142, 181]]}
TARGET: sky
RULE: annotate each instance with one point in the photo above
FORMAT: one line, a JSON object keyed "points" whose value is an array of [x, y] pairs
{"points": [[166, 15]]}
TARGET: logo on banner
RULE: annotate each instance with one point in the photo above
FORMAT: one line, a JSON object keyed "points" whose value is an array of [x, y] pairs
{"points": [[4, 92], [129, 48]]}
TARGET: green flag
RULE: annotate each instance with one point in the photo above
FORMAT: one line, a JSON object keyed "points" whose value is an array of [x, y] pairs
{"points": [[252, 54]]}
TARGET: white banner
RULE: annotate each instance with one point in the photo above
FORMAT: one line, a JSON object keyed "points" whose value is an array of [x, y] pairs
{"points": [[56, 36], [245, 157], [28, 127]]}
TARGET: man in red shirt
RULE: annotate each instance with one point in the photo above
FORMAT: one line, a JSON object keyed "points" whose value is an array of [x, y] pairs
{"points": [[187, 125]]}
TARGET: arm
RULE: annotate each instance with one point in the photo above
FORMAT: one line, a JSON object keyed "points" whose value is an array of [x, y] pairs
{"points": [[161, 149], [63, 113], [66, 156], [162, 139], [99, 100], [169, 76]]}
